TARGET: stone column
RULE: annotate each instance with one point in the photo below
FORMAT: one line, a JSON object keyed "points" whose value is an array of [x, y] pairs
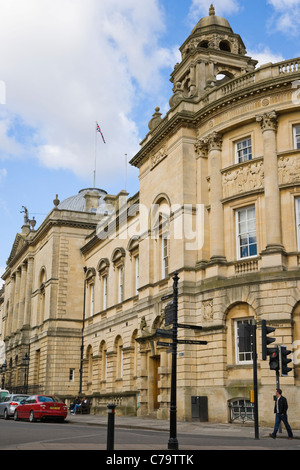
{"points": [[16, 302], [28, 291], [201, 150], [269, 123], [11, 305], [217, 251], [20, 321]]}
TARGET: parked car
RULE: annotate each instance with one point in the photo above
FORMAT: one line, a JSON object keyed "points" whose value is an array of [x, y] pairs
{"points": [[9, 403], [3, 393], [41, 407]]}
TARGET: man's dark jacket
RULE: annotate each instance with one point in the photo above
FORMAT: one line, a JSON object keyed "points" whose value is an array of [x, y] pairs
{"points": [[282, 405]]}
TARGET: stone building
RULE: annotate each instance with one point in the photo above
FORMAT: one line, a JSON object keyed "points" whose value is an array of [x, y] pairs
{"points": [[219, 202]]}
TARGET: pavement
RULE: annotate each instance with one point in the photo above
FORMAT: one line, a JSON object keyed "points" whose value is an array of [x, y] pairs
{"points": [[194, 427]]}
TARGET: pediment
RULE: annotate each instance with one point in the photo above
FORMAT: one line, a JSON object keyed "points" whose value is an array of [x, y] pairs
{"points": [[18, 244]]}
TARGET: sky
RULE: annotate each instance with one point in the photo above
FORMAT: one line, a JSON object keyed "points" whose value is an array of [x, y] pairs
{"points": [[67, 64]]}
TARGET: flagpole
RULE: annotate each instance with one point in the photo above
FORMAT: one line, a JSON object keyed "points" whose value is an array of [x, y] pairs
{"points": [[95, 154], [125, 171]]}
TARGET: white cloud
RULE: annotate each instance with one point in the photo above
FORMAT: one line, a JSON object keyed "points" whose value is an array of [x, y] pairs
{"points": [[68, 63], [264, 55], [286, 16]]}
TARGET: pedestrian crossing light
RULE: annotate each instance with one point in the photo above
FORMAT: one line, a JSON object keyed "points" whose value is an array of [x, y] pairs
{"points": [[284, 361], [274, 358], [266, 340]]}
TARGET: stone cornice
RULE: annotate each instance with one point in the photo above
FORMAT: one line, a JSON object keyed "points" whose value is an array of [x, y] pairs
{"points": [[46, 226], [235, 91]]}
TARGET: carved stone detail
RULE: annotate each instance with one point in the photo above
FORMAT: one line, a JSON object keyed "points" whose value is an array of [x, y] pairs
{"points": [[268, 121], [289, 169], [158, 157], [208, 310], [215, 141], [201, 148], [244, 178]]}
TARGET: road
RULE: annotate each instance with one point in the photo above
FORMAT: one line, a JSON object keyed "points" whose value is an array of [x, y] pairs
{"points": [[23, 435]]}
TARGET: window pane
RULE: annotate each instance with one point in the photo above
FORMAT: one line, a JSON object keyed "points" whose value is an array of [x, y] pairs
{"points": [[244, 340], [244, 150], [297, 137], [246, 236]]}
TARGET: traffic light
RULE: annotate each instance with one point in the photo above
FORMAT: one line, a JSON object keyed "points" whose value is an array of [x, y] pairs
{"points": [[265, 331], [284, 361], [274, 358]]}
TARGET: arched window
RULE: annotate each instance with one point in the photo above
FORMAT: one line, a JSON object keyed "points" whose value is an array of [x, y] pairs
{"points": [[119, 357], [133, 248], [160, 230], [118, 260], [103, 364], [103, 270], [90, 281], [225, 46], [204, 44], [89, 356]]}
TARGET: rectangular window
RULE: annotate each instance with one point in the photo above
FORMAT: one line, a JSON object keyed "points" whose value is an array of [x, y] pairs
{"points": [[296, 130], [104, 292], [121, 286], [298, 221], [137, 274], [165, 256], [72, 375], [243, 341], [243, 150], [246, 232], [92, 300]]}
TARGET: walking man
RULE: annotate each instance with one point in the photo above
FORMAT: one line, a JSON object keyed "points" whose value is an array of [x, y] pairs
{"points": [[281, 407]]}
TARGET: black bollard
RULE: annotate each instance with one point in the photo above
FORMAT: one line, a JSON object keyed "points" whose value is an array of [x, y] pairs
{"points": [[111, 427]]}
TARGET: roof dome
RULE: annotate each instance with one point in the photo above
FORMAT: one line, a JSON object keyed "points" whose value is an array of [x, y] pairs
{"points": [[212, 20], [78, 202]]}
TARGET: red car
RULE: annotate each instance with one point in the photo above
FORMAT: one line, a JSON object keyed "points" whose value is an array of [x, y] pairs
{"points": [[41, 407]]}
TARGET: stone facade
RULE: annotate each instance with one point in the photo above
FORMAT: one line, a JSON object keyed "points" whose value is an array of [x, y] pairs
{"points": [[219, 202]]}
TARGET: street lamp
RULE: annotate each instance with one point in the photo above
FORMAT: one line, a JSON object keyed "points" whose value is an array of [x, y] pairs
{"points": [[25, 363]]}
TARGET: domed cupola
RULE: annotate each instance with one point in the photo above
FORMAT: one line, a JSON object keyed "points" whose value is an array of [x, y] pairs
{"points": [[212, 50]]}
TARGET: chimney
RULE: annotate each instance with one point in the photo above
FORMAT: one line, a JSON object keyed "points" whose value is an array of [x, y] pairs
{"points": [[91, 200]]}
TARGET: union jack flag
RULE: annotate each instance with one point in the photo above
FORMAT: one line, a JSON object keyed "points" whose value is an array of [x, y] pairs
{"points": [[99, 130]]}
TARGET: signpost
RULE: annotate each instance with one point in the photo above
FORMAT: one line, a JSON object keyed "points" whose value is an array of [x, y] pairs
{"points": [[171, 318]]}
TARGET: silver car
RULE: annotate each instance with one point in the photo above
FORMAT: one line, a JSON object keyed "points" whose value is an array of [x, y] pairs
{"points": [[9, 403]]}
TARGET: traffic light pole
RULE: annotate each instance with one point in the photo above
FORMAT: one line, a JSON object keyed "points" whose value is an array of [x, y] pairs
{"points": [[173, 441], [254, 349]]}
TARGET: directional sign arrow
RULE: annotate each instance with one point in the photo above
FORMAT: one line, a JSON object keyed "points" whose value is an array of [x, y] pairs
{"points": [[189, 327], [162, 343], [165, 333], [188, 341]]}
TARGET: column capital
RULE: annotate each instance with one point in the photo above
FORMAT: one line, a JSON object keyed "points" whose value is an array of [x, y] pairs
{"points": [[215, 141], [201, 148], [268, 121]]}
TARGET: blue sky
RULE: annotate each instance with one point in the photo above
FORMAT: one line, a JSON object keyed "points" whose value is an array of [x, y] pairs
{"points": [[66, 63]]}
